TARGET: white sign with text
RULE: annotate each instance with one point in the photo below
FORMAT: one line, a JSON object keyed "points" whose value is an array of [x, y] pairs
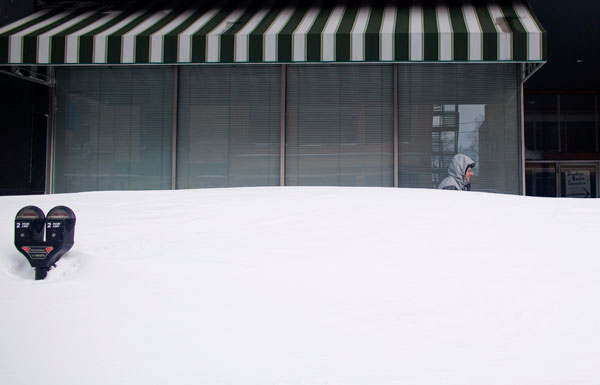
{"points": [[578, 184]]}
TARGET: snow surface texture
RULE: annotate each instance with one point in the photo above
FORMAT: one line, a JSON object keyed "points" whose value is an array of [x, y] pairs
{"points": [[307, 286]]}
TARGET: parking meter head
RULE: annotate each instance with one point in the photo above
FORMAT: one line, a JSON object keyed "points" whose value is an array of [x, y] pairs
{"points": [[60, 226], [29, 225]]}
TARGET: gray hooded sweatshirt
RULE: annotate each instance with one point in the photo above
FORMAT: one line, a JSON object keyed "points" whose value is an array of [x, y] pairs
{"points": [[457, 170]]}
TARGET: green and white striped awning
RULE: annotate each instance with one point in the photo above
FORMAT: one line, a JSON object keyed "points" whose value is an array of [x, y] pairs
{"points": [[278, 32]]}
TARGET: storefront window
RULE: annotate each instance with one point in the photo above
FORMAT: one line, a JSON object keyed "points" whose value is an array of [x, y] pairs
{"points": [[113, 129], [114, 126], [446, 109], [541, 123], [228, 126], [541, 179], [339, 125], [578, 123], [566, 123]]}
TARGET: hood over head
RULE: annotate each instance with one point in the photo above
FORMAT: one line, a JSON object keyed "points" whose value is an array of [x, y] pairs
{"points": [[458, 168]]}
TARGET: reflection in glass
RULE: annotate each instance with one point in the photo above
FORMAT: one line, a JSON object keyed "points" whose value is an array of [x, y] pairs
{"points": [[471, 118], [455, 130]]}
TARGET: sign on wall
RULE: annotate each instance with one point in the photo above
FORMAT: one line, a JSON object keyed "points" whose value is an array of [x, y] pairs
{"points": [[578, 184]]}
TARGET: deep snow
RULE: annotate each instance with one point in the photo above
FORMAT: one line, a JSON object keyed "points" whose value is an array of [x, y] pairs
{"points": [[307, 286]]}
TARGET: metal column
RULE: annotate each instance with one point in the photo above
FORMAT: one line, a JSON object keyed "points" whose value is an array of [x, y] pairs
{"points": [[174, 132], [282, 126], [396, 137], [50, 134]]}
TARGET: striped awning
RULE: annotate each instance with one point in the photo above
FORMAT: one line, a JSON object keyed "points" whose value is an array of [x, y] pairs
{"points": [[279, 32]]}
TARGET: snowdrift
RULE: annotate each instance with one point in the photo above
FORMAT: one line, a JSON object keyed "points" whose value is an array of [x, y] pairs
{"points": [[307, 286]]}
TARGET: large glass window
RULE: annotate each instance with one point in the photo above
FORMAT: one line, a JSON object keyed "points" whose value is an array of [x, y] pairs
{"points": [[339, 125], [113, 129], [566, 123], [114, 125], [446, 109], [229, 126], [541, 124]]}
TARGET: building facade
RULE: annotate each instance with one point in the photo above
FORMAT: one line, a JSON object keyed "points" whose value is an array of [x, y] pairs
{"points": [[195, 96]]}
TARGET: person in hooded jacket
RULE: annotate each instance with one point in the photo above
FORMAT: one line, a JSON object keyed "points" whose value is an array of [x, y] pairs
{"points": [[460, 172]]}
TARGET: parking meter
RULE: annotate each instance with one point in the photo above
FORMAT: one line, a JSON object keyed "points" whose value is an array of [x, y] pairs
{"points": [[29, 225], [42, 253], [60, 228]]}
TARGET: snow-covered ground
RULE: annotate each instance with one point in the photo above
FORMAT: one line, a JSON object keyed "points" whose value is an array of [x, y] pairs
{"points": [[307, 286]]}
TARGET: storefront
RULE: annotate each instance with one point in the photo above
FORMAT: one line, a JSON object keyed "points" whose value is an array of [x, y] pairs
{"points": [[379, 94], [562, 139]]}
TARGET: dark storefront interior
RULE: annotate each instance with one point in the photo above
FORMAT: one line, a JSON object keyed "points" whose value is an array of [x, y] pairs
{"points": [[24, 111], [561, 136], [561, 104]]}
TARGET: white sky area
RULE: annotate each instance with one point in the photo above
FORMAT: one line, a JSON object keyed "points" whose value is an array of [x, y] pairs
{"points": [[307, 286]]}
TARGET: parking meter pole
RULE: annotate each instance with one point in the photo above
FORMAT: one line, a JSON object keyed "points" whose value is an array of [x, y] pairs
{"points": [[41, 273]]}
